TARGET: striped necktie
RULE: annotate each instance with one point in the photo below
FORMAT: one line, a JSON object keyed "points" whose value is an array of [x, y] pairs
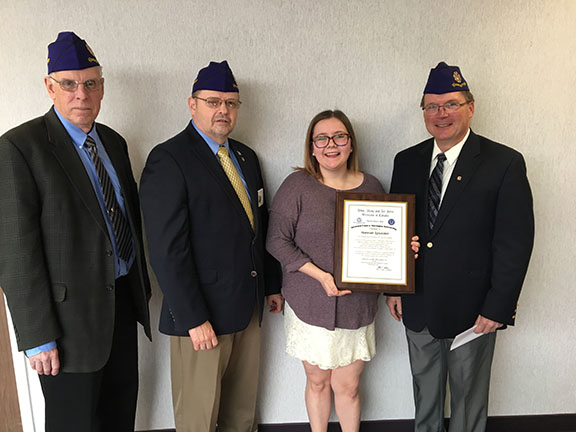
{"points": [[435, 190], [119, 222], [236, 181]]}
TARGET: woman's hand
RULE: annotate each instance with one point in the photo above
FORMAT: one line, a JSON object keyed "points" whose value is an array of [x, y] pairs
{"points": [[325, 279]]}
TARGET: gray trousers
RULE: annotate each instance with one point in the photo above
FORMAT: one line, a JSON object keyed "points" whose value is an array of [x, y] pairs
{"points": [[467, 368]]}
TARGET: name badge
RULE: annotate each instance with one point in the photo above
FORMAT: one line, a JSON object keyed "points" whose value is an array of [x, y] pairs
{"points": [[260, 197]]}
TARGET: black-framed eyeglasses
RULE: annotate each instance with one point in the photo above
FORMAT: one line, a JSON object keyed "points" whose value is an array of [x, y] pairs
{"points": [[214, 102], [72, 85], [322, 141], [449, 107]]}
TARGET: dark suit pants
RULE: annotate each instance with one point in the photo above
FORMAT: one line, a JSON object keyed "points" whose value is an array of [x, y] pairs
{"points": [[468, 371], [105, 400]]}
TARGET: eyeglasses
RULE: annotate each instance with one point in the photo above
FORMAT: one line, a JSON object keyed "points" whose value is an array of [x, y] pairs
{"points": [[449, 107], [322, 141], [214, 102], [72, 85]]}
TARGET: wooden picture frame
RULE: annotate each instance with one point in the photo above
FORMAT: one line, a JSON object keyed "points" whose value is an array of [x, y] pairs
{"points": [[372, 242]]}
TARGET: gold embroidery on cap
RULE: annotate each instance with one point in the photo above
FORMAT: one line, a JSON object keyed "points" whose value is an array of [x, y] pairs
{"points": [[90, 50]]}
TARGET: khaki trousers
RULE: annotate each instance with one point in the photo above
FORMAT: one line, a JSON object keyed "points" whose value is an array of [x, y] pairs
{"points": [[217, 386]]}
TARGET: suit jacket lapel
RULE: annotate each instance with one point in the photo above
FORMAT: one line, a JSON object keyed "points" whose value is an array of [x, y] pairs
{"points": [[467, 163], [63, 150], [211, 163], [116, 154], [422, 165], [420, 169]]}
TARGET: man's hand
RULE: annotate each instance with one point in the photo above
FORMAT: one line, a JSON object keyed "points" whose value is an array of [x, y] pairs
{"points": [[415, 245], [395, 306], [275, 301], [485, 325], [203, 337], [46, 363]]}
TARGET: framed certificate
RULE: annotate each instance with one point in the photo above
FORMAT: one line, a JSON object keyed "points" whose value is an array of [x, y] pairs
{"points": [[372, 243]]}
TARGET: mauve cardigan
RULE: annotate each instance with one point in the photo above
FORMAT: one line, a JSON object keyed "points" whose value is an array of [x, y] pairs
{"points": [[301, 230]]}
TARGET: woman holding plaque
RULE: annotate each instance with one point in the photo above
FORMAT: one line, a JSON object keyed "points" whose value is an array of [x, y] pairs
{"points": [[331, 331]]}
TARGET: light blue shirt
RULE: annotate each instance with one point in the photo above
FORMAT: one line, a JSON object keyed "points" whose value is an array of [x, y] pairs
{"points": [[78, 138], [46, 347], [214, 147]]}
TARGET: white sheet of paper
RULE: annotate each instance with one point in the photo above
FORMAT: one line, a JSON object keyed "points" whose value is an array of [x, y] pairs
{"points": [[465, 337]]}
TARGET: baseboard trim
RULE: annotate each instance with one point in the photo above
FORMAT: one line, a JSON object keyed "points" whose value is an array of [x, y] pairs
{"points": [[525, 423]]}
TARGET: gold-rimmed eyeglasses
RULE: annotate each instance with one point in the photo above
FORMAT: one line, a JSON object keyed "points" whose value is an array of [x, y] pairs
{"points": [[214, 102]]}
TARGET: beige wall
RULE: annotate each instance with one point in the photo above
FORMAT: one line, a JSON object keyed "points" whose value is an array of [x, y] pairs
{"points": [[371, 59]]}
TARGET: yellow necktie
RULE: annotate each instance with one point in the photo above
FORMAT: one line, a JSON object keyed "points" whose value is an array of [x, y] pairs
{"points": [[236, 181]]}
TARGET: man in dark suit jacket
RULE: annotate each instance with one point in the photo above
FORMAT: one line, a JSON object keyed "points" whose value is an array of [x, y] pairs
{"points": [[475, 220], [74, 294], [206, 221]]}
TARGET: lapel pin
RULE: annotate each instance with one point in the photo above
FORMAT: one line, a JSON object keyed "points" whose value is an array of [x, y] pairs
{"points": [[459, 178]]}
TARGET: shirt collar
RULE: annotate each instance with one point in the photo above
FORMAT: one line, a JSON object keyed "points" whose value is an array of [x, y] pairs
{"points": [[211, 143], [78, 135], [453, 153]]}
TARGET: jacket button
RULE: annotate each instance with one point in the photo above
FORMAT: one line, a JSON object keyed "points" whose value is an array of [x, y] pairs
{"points": [[110, 287], [253, 273], [429, 245], [109, 253]]}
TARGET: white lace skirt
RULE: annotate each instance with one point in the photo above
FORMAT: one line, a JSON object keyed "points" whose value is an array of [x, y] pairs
{"points": [[327, 349]]}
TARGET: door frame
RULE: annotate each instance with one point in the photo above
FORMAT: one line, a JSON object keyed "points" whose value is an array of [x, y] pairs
{"points": [[24, 407]]}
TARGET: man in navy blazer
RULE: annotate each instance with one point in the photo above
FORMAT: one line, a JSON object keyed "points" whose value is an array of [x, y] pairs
{"points": [[206, 219], [75, 298], [475, 220]]}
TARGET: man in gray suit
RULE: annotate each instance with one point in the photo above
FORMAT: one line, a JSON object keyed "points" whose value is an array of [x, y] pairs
{"points": [[71, 258]]}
